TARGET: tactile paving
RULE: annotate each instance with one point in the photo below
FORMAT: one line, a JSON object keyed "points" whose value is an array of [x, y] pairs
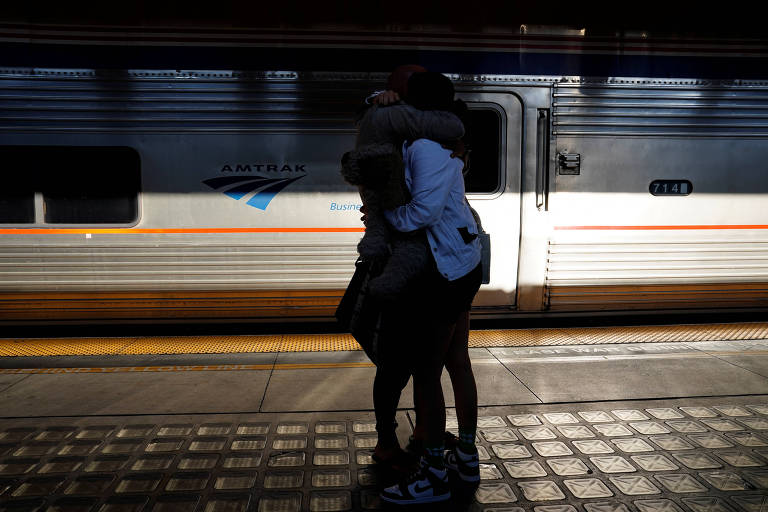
{"points": [[632, 445], [707, 504], [660, 505], [568, 466], [498, 435], [336, 342], [725, 480], [532, 433], [524, 469], [596, 416], [541, 490], [588, 488], [552, 448], [753, 502], [680, 483], [739, 459], [649, 427], [590, 447], [492, 492], [510, 451], [490, 472], [613, 430], [613, 464], [606, 506], [306, 464]]}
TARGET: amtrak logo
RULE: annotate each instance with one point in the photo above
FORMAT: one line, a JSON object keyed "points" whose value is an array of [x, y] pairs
{"points": [[238, 187]]}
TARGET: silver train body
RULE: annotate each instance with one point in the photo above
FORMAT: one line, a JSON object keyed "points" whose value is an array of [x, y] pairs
{"points": [[222, 199]]}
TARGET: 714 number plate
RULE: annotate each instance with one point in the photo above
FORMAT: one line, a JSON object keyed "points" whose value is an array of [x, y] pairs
{"points": [[670, 187]]}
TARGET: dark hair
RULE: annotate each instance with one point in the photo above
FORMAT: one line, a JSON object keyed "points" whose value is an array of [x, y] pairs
{"points": [[430, 91], [460, 109], [398, 79], [434, 91]]}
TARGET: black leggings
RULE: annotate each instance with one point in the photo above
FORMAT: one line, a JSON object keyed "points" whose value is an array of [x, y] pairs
{"points": [[393, 371], [387, 388], [409, 338]]}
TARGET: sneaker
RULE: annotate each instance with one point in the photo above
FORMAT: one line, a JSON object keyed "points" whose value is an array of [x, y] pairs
{"points": [[466, 465], [428, 484]]}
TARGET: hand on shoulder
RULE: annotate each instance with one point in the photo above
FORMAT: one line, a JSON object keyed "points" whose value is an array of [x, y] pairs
{"points": [[386, 98]]}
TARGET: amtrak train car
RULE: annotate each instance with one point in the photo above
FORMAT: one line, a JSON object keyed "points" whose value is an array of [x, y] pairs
{"points": [[614, 175]]}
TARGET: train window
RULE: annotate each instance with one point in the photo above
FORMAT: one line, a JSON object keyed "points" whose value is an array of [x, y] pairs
{"points": [[484, 131], [17, 207], [17, 194], [77, 185], [93, 185]]}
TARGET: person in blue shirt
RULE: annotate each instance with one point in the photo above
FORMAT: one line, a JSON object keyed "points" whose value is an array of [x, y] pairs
{"points": [[434, 310], [382, 128]]}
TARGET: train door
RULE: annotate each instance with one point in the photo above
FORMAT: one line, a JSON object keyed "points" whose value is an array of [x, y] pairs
{"points": [[493, 189]]}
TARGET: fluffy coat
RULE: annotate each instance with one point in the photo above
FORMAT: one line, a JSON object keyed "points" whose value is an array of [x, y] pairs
{"points": [[376, 167]]}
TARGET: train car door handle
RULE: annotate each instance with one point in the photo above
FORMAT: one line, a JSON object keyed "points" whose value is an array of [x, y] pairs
{"points": [[542, 159]]}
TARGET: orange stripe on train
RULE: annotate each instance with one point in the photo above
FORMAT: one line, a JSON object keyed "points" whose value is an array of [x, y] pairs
{"points": [[657, 228], [137, 231]]}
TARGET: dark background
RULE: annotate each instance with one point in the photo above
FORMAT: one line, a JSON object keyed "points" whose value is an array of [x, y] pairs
{"points": [[669, 18]]}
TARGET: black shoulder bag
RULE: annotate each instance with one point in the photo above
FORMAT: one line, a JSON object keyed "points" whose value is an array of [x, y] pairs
{"points": [[358, 313]]}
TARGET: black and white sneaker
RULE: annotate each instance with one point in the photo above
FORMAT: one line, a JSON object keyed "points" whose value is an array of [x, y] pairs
{"points": [[466, 465], [428, 484]]}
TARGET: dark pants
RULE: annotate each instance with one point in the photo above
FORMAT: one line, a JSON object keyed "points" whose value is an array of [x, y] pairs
{"points": [[410, 339], [387, 388]]}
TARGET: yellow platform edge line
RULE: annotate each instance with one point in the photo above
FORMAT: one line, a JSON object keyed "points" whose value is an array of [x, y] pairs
{"points": [[157, 345], [182, 368]]}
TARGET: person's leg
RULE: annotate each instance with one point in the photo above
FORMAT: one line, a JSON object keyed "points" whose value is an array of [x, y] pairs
{"points": [[457, 360], [387, 387], [463, 458], [459, 368], [428, 389], [430, 483], [391, 377], [429, 337], [416, 442]]}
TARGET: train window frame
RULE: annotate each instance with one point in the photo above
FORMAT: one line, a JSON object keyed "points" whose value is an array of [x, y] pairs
{"points": [[500, 159], [39, 213]]}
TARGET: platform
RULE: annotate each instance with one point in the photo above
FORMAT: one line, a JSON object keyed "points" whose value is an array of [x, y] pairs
{"points": [[616, 427]]}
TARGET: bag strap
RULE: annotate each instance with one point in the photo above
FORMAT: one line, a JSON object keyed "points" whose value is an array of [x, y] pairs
{"points": [[476, 216]]}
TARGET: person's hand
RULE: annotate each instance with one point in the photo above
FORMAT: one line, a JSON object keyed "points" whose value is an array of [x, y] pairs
{"points": [[458, 149], [364, 211], [386, 98]]}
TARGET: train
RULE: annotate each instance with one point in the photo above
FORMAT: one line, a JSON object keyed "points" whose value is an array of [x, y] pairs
{"points": [[194, 176]]}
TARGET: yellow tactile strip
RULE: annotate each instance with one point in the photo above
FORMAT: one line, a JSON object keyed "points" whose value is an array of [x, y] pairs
{"points": [[184, 368], [617, 335], [338, 342]]}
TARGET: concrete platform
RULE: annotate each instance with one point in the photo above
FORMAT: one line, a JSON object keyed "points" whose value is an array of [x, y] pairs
{"points": [[667, 427]]}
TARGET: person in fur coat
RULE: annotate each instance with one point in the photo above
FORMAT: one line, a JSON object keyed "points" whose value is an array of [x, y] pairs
{"points": [[375, 166]]}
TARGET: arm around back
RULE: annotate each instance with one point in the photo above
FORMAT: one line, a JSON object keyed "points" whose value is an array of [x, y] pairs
{"points": [[405, 122], [431, 178]]}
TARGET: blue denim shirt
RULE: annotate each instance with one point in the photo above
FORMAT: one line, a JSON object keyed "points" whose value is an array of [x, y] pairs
{"points": [[438, 204]]}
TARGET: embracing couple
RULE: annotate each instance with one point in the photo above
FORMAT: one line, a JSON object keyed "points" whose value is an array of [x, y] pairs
{"points": [[408, 163]]}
